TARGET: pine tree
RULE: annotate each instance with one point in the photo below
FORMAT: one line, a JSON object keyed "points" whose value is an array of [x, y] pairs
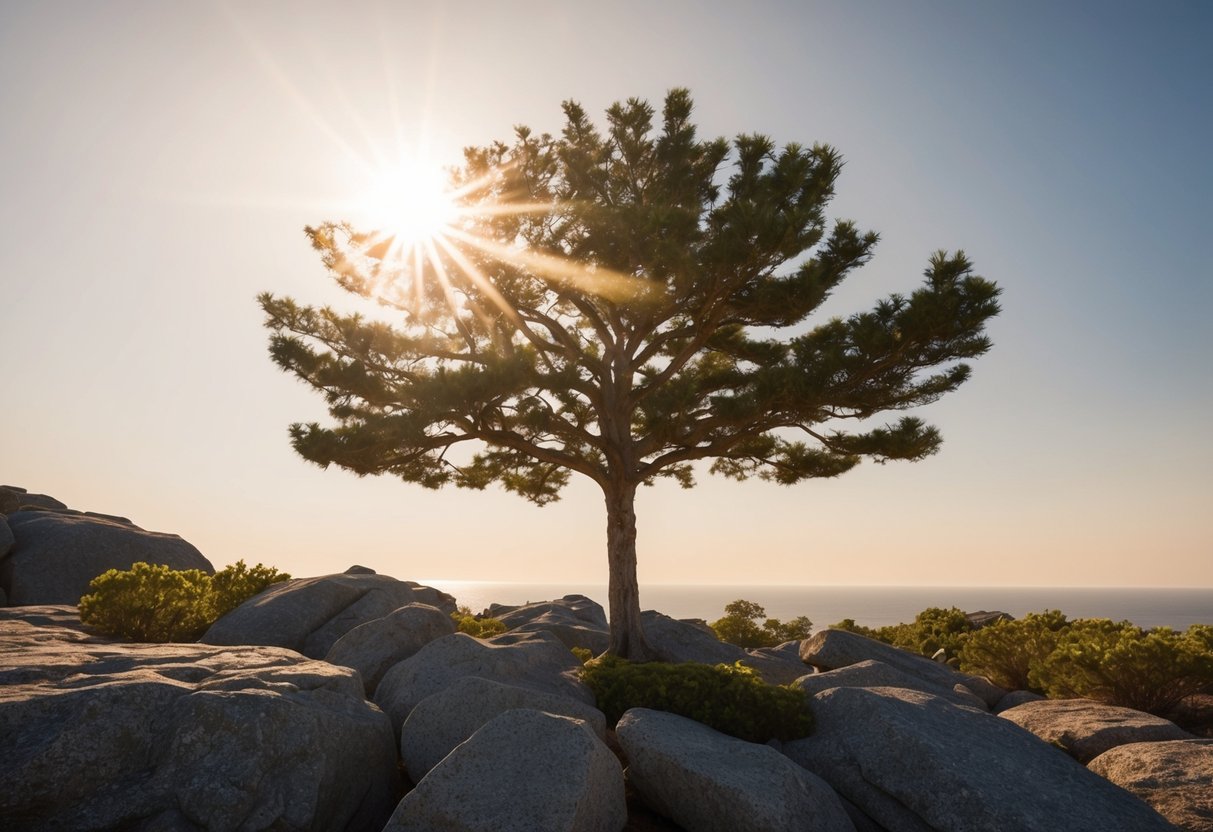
{"points": [[621, 304]]}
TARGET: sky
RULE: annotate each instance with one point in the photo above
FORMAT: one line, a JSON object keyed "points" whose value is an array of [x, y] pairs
{"points": [[158, 163]]}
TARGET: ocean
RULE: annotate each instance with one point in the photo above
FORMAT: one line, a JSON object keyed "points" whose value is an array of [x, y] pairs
{"points": [[873, 606]]}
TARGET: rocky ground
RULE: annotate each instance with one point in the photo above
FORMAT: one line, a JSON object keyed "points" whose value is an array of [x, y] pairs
{"points": [[347, 702]]}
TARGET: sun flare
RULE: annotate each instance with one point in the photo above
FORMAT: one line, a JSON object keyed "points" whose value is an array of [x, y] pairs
{"points": [[408, 202]]}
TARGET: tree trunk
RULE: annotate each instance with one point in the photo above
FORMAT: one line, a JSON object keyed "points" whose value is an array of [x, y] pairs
{"points": [[627, 636]]}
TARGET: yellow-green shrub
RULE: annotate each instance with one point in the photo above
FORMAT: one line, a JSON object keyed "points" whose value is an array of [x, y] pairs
{"points": [[149, 602], [733, 699], [152, 602], [1006, 651], [1122, 664], [466, 622]]}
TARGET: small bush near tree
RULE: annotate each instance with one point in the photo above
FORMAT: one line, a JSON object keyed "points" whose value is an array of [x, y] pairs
{"points": [[740, 626], [151, 602], [1006, 651], [473, 625], [733, 699]]}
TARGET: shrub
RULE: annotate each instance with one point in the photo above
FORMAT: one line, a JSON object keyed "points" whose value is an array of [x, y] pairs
{"points": [[1122, 664], [583, 654], [474, 625], [152, 602], [932, 629], [733, 699], [740, 626], [1006, 651], [235, 584], [149, 602]]}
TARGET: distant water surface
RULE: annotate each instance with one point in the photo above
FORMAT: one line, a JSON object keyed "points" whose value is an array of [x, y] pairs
{"points": [[873, 606]]}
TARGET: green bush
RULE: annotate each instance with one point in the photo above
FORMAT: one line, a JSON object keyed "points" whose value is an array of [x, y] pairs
{"points": [[583, 654], [733, 699], [1122, 664], [740, 626], [232, 586], [1006, 652], [466, 622], [932, 629], [149, 602], [152, 602]]}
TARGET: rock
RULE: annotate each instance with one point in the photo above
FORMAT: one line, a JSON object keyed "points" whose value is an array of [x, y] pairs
{"points": [[874, 674], [1174, 777], [522, 771], [102, 735], [444, 719], [1086, 729], [1016, 698], [360, 570], [56, 555], [682, 641], [372, 648], [915, 762], [574, 619], [707, 781], [13, 498], [540, 662], [310, 614], [7, 541], [831, 649], [982, 618]]}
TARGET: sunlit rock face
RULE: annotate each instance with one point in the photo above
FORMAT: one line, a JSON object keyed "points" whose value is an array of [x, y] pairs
{"points": [[523, 770], [309, 614], [1086, 729], [101, 735], [913, 761], [576, 620], [1174, 777], [374, 647], [55, 554], [540, 662], [707, 781], [444, 719]]}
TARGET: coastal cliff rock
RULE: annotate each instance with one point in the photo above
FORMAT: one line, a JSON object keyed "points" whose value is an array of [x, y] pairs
{"points": [[874, 674], [540, 662], [444, 719], [574, 619], [13, 498], [100, 735], [831, 649], [308, 615], [711, 782], [681, 641], [372, 648], [56, 554], [1175, 777], [917, 763], [1086, 729], [522, 771]]}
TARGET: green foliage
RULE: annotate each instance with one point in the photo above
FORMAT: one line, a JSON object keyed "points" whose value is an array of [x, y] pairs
{"points": [[733, 699], [1122, 664], [740, 626], [1006, 651], [235, 584], [931, 629], [583, 654], [154, 603], [621, 302], [149, 602], [474, 625]]}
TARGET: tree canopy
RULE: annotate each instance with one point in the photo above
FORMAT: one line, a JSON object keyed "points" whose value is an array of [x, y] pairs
{"points": [[622, 304]]}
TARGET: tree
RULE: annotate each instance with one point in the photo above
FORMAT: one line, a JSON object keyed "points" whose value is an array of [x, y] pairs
{"points": [[622, 305]]}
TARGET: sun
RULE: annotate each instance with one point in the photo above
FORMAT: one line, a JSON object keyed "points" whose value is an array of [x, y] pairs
{"points": [[408, 202]]}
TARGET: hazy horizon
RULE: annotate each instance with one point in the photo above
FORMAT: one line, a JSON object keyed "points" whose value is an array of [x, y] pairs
{"points": [[159, 162]]}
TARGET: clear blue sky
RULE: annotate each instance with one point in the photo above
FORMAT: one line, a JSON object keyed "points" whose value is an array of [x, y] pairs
{"points": [[158, 162]]}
